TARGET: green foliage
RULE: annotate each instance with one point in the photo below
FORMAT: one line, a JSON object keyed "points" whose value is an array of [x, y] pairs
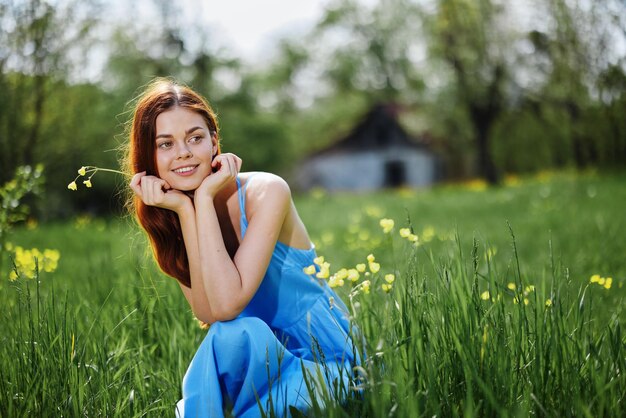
{"points": [[13, 209], [107, 334], [538, 93]]}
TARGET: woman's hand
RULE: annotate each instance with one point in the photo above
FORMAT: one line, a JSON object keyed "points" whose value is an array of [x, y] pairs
{"points": [[154, 191], [225, 169]]}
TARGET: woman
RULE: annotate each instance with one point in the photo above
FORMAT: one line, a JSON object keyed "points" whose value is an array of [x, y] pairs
{"points": [[236, 245]]}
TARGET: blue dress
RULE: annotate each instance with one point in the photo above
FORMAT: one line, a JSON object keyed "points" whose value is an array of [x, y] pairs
{"points": [[258, 360]]}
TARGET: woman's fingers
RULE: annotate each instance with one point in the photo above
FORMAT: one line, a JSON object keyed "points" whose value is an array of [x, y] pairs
{"points": [[231, 162], [135, 182]]}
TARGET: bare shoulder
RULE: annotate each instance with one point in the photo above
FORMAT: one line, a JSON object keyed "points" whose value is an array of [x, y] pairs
{"points": [[260, 184]]}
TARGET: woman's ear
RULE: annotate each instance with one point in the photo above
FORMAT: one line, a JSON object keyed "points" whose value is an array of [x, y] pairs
{"points": [[214, 141]]}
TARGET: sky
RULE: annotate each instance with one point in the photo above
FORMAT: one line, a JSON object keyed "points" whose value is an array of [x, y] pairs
{"points": [[251, 27]]}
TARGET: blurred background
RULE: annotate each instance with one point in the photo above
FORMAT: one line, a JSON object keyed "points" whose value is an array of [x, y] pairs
{"points": [[337, 94]]}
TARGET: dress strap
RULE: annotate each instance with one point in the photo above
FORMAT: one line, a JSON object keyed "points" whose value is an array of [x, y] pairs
{"points": [[241, 194]]}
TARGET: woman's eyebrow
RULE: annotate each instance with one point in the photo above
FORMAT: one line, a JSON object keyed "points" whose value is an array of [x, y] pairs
{"points": [[187, 132]]}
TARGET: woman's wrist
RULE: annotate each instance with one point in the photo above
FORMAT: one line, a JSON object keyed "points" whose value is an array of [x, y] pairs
{"points": [[201, 196], [186, 208]]}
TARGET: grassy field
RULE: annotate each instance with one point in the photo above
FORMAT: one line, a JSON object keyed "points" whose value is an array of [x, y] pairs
{"points": [[503, 308]]}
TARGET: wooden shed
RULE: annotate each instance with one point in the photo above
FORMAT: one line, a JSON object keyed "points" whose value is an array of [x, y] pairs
{"points": [[378, 153]]}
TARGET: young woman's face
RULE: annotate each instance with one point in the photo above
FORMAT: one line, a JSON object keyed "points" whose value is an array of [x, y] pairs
{"points": [[184, 148]]}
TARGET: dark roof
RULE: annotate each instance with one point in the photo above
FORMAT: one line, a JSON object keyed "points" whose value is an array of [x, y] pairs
{"points": [[378, 129]]}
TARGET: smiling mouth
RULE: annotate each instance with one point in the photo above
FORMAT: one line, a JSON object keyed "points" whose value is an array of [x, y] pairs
{"points": [[185, 170]]}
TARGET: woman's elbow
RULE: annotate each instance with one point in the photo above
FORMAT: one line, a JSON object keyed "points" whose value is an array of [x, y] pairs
{"points": [[227, 312]]}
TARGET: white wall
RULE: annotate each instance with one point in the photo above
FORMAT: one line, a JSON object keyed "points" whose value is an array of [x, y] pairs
{"points": [[365, 170]]}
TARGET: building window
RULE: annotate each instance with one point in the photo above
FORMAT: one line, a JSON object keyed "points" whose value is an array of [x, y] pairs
{"points": [[395, 173]]}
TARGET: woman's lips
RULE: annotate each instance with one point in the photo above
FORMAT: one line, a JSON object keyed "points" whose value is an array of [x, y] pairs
{"points": [[186, 171]]}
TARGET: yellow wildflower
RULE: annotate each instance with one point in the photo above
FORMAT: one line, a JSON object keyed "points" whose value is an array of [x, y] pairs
{"points": [[371, 258], [72, 186], [428, 233], [12, 276], [319, 260], [50, 260], [387, 225], [374, 267], [373, 211], [412, 238], [389, 278], [324, 272], [405, 232], [334, 281], [601, 281], [360, 267], [548, 302], [526, 301], [342, 274], [386, 287], [309, 270], [353, 274], [595, 278], [87, 183], [529, 289], [82, 171], [485, 295], [511, 286], [608, 283], [366, 286]]}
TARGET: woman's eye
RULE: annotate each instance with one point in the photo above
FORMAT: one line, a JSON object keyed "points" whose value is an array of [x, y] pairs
{"points": [[195, 139], [165, 145]]}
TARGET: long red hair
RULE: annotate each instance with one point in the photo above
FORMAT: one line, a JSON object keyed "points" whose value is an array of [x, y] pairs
{"points": [[162, 225]]}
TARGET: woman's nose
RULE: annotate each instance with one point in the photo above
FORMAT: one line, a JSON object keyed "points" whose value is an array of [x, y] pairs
{"points": [[184, 152]]}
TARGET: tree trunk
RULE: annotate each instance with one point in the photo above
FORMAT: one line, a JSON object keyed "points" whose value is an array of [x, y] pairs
{"points": [[483, 120], [33, 138]]}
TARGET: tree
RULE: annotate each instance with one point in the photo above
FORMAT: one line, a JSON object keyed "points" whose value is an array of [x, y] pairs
{"points": [[35, 42], [466, 36]]}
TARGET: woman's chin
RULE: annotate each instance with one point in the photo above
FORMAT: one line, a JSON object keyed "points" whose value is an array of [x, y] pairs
{"points": [[186, 186]]}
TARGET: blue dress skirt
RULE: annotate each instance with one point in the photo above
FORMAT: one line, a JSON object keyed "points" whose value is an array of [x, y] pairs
{"points": [[293, 326]]}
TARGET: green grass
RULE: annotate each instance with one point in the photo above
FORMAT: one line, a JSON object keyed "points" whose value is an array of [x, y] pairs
{"points": [[106, 334]]}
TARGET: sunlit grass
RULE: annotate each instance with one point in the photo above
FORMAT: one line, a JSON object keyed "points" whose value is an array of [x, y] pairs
{"points": [[496, 309]]}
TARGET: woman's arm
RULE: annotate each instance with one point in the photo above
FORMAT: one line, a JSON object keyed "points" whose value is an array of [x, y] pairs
{"points": [[197, 294], [157, 192], [230, 284]]}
